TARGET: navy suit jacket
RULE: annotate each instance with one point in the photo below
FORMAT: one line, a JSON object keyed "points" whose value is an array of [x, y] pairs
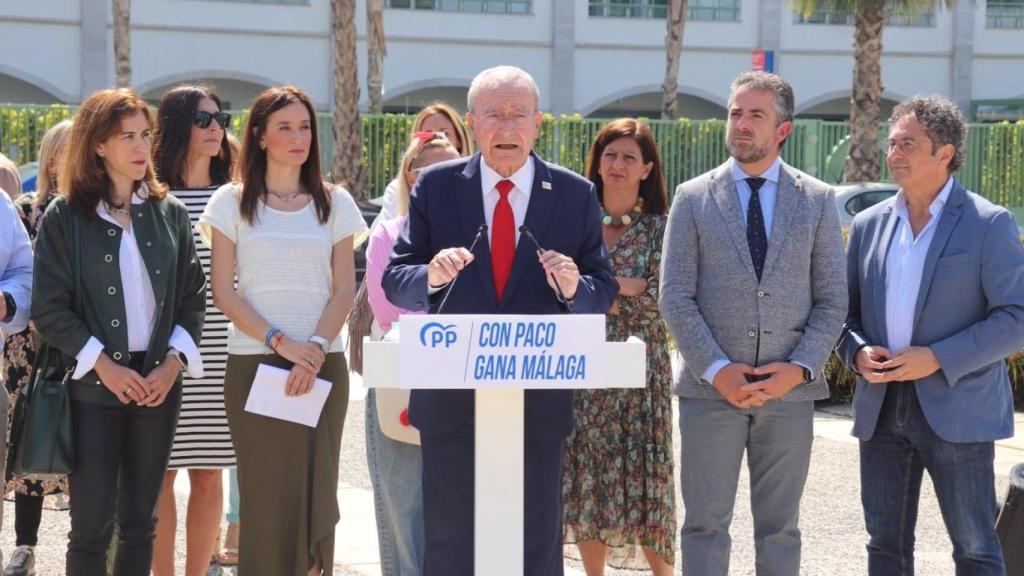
{"points": [[445, 211], [970, 311]]}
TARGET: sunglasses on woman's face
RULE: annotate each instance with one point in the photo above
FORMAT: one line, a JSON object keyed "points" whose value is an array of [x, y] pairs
{"points": [[202, 119]]}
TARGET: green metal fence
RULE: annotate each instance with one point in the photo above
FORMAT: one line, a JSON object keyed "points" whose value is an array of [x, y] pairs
{"points": [[994, 164]]}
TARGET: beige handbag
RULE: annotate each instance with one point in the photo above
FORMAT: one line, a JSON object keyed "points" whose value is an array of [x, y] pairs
{"points": [[393, 408]]}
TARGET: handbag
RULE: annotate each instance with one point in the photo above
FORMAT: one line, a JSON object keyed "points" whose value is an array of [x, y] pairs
{"points": [[45, 449], [41, 427]]}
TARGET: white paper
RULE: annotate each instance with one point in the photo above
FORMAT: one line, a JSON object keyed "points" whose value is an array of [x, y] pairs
{"points": [[267, 397]]}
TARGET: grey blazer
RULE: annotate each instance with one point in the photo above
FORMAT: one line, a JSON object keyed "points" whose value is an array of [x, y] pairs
{"points": [[970, 311], [710, 296]]}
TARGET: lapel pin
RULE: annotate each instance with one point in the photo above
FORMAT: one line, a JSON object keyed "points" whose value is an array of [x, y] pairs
{"points": [[545, 185]]}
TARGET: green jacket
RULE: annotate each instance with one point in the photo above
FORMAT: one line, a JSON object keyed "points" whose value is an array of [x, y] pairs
{"points": [[164, 233]]}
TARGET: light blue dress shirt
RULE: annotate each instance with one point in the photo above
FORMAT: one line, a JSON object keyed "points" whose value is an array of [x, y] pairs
{"points": [[769, 193], [15, 265], [904, 266]]}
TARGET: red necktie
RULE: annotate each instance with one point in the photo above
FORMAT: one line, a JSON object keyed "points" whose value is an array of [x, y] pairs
{"points": [[503, 238]]}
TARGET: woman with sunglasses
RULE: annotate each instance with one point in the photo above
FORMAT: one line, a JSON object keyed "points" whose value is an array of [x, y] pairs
{"points": [[193, 158], [288, 236], [120, 296]]}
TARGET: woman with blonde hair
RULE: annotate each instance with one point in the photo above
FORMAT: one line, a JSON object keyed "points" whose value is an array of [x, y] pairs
{"points": [[392, 445], [119, 299], [436, 117], [288, 236], [20, 356]]}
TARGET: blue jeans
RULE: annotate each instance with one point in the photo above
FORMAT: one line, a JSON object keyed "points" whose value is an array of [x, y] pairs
{"points": [[234, 506], [396, 472], [892, 464]]}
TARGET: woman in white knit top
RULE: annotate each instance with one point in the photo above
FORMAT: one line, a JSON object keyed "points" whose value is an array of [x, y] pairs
{"points": [[289, 237]]}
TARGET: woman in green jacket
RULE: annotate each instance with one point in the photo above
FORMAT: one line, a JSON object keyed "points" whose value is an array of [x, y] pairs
{"points": [[129, 323]]}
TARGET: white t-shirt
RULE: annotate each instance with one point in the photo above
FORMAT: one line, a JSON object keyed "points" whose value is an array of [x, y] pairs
{"points": [[283, 261]]}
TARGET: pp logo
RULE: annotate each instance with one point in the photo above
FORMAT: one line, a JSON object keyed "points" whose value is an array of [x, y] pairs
{"points": [[435, 335]]}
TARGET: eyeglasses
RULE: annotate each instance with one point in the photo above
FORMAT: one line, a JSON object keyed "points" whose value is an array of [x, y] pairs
{"points": [[517, 119], [202, 118]]}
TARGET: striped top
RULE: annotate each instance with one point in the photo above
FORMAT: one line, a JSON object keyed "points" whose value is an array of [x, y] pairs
{"points": [[202, 439]]}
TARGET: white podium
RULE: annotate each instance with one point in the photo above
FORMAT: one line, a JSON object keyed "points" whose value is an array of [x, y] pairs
{"points": [[499, 420]]}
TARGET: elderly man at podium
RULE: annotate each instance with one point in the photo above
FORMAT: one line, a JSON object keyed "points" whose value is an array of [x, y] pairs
{"points": [[521, 206]]}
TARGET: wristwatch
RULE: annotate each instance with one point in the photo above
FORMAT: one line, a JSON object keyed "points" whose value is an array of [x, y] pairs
{"points": [[12, 307], [179, 357], [808, 375], [322, 342]]}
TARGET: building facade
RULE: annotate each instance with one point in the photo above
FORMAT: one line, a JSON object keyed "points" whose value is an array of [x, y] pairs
{"points": [[592, 57]]}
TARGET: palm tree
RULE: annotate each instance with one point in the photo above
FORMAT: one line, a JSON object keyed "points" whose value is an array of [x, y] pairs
{"points": [[347, 164], [674, 21], [376, 51], [122, 42], [864, 160]]}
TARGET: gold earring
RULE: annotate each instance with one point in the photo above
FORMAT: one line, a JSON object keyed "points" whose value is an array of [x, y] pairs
{"points": [[263, 146]]}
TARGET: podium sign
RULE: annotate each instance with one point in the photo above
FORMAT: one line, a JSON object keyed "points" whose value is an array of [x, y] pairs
{"points": [[500, 356], [502, 352]]}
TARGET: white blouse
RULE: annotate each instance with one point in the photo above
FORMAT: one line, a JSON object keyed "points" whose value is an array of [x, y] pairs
{"points": [[282, 260], [139, 305]]}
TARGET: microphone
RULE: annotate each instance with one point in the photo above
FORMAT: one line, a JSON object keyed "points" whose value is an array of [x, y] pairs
{"points": [[561, 295], [480, 233]]}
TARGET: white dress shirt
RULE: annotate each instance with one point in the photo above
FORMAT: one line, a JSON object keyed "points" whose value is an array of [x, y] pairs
{"points": [[519, 197], [140, 306], [15, 265], [768, 193], [904, 265]]}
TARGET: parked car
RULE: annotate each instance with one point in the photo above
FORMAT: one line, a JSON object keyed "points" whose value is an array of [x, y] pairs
{"points": [[854, 198], [28, 173]]}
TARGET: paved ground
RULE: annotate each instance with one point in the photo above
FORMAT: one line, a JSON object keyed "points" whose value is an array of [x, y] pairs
{"points": [[831, 521]]}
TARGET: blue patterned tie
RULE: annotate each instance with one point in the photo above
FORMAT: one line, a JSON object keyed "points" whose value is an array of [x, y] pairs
{"points": [[757, 239]]}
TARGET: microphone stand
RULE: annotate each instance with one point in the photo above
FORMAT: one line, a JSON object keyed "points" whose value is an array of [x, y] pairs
{"points": [[479, 234], [558, 288]]}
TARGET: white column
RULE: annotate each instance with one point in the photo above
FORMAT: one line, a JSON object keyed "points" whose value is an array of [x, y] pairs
{"points": [[97, 51], [499, 483]]}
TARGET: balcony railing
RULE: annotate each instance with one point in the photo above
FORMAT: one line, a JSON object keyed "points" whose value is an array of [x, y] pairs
{"points": [[475, 6], [697, 10], [1004, 14]]}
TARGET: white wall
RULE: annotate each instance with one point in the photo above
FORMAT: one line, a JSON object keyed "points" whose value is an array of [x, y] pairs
{"points": [[615, 58]]}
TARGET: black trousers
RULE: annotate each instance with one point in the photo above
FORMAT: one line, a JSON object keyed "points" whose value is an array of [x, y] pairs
{"points": [[28, 513], [121, 454]]}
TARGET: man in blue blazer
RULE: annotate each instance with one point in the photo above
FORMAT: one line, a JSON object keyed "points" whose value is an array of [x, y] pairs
{"points": [[936, 278], [504, 186]]}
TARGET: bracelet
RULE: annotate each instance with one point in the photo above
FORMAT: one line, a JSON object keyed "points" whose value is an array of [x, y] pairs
{"points": [[270, 335], [321, 342], [275, 340]]}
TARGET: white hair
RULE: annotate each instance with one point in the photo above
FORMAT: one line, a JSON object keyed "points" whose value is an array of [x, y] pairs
{"points": [[501, 77]]}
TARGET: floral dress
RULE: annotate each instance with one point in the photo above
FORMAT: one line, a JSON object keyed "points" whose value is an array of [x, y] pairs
{"points": [[20, 355], [618, 485]]}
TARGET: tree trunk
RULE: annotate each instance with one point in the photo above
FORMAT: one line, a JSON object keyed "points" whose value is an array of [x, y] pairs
{"points": [[376, 49], [674, 21], [347, 164], [864, 161], [122, 42]]}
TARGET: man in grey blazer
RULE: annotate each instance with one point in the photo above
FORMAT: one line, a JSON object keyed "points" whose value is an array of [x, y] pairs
{"points": [[936, 279], [754, 292]]}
